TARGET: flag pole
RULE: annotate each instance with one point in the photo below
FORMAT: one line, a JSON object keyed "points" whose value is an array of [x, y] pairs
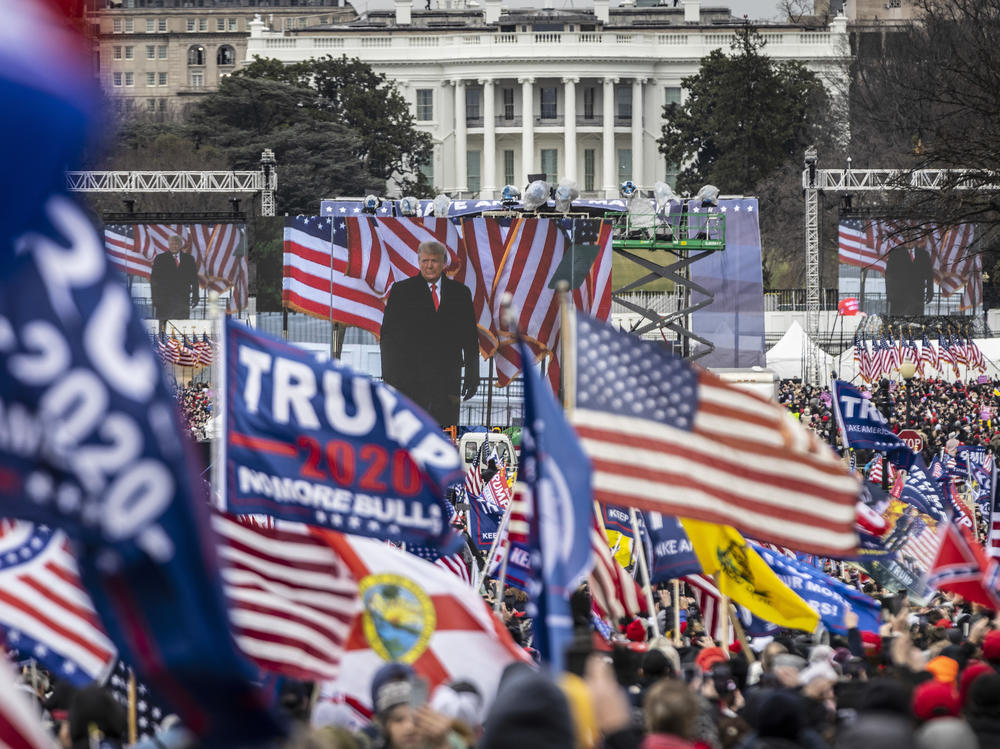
{"points": [[132, 729], [677, 611], [567, 346], [724, 603], [218, 470], [643, 569], [741, 635]]}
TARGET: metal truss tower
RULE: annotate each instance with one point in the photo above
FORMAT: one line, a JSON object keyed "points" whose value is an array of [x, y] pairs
{"points": [[264, 181], [815, 181]]}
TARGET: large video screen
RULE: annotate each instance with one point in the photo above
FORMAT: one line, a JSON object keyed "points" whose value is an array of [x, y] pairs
{"points": [[909, 269], [171, 266]]}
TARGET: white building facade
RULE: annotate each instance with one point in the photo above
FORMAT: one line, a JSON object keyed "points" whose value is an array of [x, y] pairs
{"points": [[576, 94]]}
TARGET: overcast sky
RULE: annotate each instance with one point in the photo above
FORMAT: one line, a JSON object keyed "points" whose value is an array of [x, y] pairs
{"points": [[755, 9]]}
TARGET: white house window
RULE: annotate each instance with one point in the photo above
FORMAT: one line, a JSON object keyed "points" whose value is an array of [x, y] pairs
{"points": [[129, 25], [116, 26], [624, 164], [548, 103], [129, 53], [425, 104], [191, 24], [163, 79], [150, 51], [550, 164], [197, 79], [196, 55], [508, 166], [161, 51], [161, 25], [150, 25], [116, 52], [472, 164], [150, 79], [129, 79], [117, 78], [589, 161]]}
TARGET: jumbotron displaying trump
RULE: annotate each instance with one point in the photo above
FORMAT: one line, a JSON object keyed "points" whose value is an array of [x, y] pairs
{"points": [[429, 335]]}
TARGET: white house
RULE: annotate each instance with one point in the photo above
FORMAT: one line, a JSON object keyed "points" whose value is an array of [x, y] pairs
{"points": [[577, 93]]}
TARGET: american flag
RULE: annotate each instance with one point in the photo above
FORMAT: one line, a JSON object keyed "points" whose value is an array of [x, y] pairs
{"points": [[911, 353], [533, 252], [861, 357], [923, 546], [119, 244], [956, 347], [945, 356], [894, 351], [455, 563], [613, 591], [866, 244], [315, 280], [44, 610], [976, 359], [383, 250], [993, 537], [203, 350], [292, 600], [149, 711], [666, 436], [928, 356], [706, 595], [875, 472], [485, 241], [473, 477]]}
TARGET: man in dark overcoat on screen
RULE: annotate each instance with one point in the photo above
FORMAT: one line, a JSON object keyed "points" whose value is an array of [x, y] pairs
{"points": [[429, 335], [173, 281], [909, 281]]}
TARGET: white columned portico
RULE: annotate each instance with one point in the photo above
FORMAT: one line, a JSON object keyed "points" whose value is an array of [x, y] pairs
{"points": [[527, 127], [608, 140], [461, 163], [489, 185], [637, 133], [569, 159]]}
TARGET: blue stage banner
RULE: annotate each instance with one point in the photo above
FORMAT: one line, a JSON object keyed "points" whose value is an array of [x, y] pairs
{"points": [[321, 444], [864, 428], [672, 555]]}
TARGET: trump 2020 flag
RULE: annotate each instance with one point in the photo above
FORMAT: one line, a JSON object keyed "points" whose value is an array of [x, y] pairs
{"points": [[667, 436], [318, 443], [90, 438], [862, 427], [557, 474]]}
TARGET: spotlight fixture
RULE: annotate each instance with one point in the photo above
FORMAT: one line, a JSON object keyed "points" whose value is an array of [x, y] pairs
{"points": [[370, 204], [708, 196], [441, 204], [510, 196], [409, 206], [566, 193], [628, 189], [536, 195]]}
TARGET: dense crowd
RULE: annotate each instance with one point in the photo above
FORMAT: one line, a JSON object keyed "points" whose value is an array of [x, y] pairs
{"points": [[966, 412], [928, 680], [195, 401]]}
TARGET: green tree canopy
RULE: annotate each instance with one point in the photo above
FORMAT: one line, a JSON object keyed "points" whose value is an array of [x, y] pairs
{"points": [[316, 153], [745, 116], [368, 103]]}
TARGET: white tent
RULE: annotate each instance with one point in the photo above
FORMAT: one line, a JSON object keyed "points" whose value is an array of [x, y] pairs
{"points": [[847, 369], [787, 358]]}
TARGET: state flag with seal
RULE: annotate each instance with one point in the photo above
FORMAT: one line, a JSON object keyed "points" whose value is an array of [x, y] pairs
{"points": [[415, 613]]}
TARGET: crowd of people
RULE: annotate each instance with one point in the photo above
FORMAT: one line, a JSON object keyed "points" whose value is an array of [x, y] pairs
{"points": [[929, 678], [940, 410], [195, 401]]}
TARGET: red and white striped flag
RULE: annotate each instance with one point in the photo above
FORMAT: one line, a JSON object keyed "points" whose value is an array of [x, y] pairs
{"points": [[614, 592], [292, 600], [315, 280], [485, 240], [119, 244], [709, 600], [45, 611]]}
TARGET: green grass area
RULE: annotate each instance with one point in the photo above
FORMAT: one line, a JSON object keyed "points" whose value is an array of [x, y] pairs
{"points": [[624, 271]]}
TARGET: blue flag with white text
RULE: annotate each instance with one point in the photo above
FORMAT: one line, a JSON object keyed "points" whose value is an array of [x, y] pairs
{"points": [[862, 427], [321, 444], [557, 474], [90, 437], [672, 555]]}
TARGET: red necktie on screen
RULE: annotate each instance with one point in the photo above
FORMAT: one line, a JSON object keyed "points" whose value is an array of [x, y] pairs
{"points": [[434, 295], [177, 259]]}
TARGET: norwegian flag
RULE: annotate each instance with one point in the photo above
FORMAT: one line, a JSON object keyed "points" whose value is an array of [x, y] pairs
{"points": [[613, 591], [961, 567], [928, 356], [709, 600]]}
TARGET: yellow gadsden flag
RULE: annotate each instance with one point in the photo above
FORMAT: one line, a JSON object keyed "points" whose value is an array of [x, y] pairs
{"points": [[745, 577]]}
